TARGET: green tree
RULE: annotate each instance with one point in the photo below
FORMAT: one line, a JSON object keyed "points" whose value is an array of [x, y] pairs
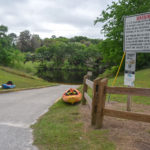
{"points": [[13, 39], [112, 17], [78, 39], [3, 30], [76, 54], [8, 54], [35, 42], [61, 53], [93, 56], [24, 41], [43, 54]]}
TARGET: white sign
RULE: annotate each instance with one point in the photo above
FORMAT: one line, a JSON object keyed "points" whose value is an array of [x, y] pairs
{"points": [[89, 73], [137, 33], [130, 62], [129, 79], [130, 65]]}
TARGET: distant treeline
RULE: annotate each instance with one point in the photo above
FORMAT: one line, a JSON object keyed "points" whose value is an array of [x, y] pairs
{"points": [[79, 52]]}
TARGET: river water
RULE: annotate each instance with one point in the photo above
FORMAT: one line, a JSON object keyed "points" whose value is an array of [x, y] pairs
{"points": [[65, 76]]}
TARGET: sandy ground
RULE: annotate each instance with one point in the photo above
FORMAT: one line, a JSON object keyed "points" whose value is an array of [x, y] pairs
{"points": [[125, 134]]}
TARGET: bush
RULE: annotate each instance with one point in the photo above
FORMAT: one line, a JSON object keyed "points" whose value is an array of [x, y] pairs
{"points": [[109, 72], [27, 67]]}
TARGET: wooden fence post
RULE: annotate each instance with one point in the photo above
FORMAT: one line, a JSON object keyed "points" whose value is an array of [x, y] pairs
{"points": [[84, 89], [129, 102], [101, 103], [94, 100]]}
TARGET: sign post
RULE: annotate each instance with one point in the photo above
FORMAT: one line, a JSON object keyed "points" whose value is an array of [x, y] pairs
{"points": [[129, 77], [136, 40]]}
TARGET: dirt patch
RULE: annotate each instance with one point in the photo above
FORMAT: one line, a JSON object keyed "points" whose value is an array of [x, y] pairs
{"points": [[126, 134], [86, 117]]}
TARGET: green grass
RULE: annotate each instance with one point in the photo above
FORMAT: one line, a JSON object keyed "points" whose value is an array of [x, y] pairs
{"points": [[61, 128], [142, 80], [21, 80], [17, 72], [28, 67]]}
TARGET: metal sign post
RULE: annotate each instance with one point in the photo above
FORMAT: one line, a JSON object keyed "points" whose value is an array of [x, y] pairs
{"points": [[129, 77]]}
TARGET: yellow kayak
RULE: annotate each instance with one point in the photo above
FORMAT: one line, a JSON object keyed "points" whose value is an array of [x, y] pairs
{"points": [[72, 96]]}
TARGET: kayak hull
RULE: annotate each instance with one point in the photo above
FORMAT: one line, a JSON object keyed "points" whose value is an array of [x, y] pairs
{"points": [[72, 98], [6, 86]]}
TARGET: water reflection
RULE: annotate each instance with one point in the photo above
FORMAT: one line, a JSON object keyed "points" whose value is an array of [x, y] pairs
{"points": [[64, 76]]}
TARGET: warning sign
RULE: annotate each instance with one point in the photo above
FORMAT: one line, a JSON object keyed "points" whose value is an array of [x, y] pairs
{"points": [[137, 33], [130, 65], [129, 79], [130, 62]]}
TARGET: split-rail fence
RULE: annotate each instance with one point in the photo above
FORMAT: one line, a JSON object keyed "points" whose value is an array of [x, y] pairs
{"points": [[97, 102]]}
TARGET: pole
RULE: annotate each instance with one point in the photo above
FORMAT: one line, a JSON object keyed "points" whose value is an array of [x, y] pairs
{"points": [[129, 102], [114, 81], [119, 69]]}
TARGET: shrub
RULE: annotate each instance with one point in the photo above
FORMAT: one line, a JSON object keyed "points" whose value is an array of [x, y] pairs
{"points": [[109, 72]]}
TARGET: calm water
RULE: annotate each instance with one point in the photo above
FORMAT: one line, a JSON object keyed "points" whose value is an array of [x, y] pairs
{"points": [[62, 76]]}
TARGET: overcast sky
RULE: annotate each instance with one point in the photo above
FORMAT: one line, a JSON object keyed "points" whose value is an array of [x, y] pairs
{"points": [[53, 17]]}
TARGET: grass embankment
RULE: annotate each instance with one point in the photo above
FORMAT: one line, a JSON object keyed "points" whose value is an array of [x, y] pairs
{"points": [[20, 79], [142, 80], [62, 128]]}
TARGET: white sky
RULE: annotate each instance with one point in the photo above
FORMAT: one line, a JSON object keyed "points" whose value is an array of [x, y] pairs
{"points": [[66, 18]]}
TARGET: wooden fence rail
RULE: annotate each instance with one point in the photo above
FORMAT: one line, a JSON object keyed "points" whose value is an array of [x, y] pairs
{"points": [[128, 91], [97, 102], [88, 98], [89, 83], [127, 115]]}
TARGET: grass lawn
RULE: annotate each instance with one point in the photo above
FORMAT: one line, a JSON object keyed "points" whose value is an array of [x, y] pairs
{"points": [[22, 80], [62, 128], [142, 80]]}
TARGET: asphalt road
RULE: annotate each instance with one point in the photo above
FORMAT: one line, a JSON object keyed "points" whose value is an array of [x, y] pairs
{"points": [[18, 110]]}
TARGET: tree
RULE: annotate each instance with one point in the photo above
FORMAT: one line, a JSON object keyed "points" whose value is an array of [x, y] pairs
{"points": [[78, 39], [53, 36], [13, 38], [43, 54], [112, 17], [76, 54], [8, 54], [3, 36], [24, 41], [35, 42], [59, 52], [3, 30], [93, 56]]}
